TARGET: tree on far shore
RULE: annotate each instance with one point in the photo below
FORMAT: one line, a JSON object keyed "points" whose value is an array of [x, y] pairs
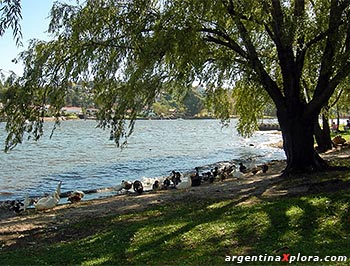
{"points": [[294, 53]]}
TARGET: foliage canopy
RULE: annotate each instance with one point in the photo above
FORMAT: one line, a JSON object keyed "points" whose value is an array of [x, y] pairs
{"points": [[10, 17], [133, 50]]}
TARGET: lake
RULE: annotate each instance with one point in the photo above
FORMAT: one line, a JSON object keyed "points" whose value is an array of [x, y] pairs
{"points": [[83, 157]]}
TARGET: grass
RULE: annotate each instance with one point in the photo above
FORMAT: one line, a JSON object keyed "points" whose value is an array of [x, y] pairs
{"points": [[201, 232], [344, 133]]}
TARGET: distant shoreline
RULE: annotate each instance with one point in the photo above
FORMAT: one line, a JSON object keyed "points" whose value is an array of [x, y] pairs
{"points": [[64, 118]]}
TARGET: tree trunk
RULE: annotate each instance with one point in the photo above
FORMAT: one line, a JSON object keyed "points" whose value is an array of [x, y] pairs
{"points": [[298, 142], [323, 135], [338, 118]]}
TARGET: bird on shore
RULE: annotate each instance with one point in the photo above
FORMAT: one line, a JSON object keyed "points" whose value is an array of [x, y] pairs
{"points": [[195, 178], [258, 168], [242, 168], [184, 184], [226, 172], [76, 196], [156, 185], [255, 170], [206, 175], [50, 201], [19, 206], [126, 185], [237, 174], [138, 187], [215, 173], [118, 187], [175, 177], [146, 181], [166, 183], [196, 181], [264, 168]]}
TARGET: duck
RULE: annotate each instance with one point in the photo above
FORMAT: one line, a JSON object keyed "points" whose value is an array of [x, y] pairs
{"points": [[242, 168], [207, 175], [196, 181], [255, 170], [76, 196], [126, 185], [16, 206], [156, 185], [195, 178], [264, 168], [138, 187], [19, 206], [118, 187], [184, 184], [215, 171], [237, 174], [226, 172], [146, 181], [175, 177], [50, 201], [258, 168], [166, 183]]}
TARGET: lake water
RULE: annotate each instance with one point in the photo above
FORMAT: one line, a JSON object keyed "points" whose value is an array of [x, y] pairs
{"points": [[84, 158]]}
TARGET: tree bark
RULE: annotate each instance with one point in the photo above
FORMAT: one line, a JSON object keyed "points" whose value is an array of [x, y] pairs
{"points": [[298, 142], [323, 135]]}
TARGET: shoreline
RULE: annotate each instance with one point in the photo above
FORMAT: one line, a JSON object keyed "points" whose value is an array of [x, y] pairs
{"points": [[205, 190], [111, 192], [128, 226], [246, 190], [276, 166], [220, 164]]}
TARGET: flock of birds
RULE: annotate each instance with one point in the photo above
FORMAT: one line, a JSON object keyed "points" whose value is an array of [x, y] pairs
{"points": [[175, 180], [178, 181], [47, 202]]}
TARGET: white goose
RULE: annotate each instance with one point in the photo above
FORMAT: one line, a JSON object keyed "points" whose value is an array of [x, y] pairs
{"points": [[185, 184], [118, 187], [237, 174], [26, 202], [50, 201]]}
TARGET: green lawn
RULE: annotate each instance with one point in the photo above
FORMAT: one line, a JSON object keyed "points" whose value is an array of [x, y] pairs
{"points": [[201, 233]]}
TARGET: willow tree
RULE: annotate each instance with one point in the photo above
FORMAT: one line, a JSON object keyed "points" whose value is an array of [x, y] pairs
{"points": [[132, 50], [10, 17]]}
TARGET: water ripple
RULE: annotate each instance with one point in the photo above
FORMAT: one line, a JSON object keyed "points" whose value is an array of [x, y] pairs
{"points": [[83, 158]]}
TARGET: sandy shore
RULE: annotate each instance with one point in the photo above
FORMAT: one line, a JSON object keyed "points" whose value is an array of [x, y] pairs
{"points": [[16, 229]]}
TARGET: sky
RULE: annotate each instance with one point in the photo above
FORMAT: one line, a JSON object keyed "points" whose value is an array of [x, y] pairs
{"points": [[35, 22]]}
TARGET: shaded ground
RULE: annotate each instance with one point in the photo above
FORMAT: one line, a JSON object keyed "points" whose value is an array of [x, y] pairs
{"points": [[55, 225]]}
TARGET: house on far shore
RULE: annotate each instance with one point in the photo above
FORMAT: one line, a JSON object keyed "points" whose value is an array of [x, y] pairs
{"points": [[72, 110]]}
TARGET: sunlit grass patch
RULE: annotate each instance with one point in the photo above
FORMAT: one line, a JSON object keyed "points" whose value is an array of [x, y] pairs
{"points": [[319, 202], [294, 214], [291, 237], [97, 261], [254, 224], [201, 233], [220, 204]]}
